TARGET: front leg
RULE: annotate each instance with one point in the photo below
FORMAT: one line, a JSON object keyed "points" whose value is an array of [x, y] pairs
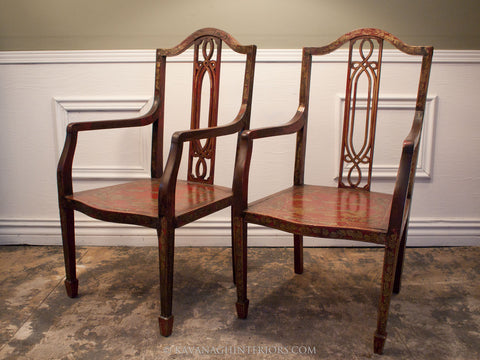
{"points": [[240, 265], [166, 244], [68, 239]]}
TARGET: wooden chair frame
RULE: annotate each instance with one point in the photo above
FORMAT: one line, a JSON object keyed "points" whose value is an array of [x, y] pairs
{"points": [[168, 212], [393, 234]]}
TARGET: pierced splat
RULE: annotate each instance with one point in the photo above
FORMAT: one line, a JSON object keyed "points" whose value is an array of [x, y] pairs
{"points": [[207, 56], [360, 116]]}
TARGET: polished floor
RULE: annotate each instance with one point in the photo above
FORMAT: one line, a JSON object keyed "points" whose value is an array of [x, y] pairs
{"points": [[329, 312]]}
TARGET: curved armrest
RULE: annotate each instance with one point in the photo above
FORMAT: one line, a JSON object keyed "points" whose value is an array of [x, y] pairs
{"points": [[166, 191], [244, 155], [227, 129], [295, 124], [416, 130], [64, 168], [144, 120], [405, 176]]}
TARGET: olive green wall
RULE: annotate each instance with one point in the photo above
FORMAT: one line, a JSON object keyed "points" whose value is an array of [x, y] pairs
{"points": [[146, 24]]}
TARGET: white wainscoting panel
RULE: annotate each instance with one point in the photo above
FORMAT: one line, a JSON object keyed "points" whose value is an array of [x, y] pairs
{"points": [[128, 164], [390, 107]]}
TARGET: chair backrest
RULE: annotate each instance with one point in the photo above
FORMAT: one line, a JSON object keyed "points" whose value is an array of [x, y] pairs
{"points": [[207, 55], [207, 61], [363, 77]]}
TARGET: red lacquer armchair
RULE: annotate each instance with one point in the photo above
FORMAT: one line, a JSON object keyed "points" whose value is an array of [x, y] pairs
{"points": [[349, 210], [162, 202]]}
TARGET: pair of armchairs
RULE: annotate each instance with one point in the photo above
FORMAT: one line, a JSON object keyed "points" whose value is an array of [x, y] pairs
{"points": [[349, 211]]}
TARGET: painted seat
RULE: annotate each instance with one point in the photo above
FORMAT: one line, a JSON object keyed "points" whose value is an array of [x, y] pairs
{"points": [[140, 199], [321, 211]]}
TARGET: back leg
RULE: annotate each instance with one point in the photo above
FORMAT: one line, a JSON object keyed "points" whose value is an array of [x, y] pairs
{"points": [[401, 257], [389, 267], [298, 253], [233, 248]]}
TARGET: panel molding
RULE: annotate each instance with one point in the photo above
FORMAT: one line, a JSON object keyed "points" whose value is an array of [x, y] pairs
{"points": [[394, 102], [65, 106], [263, 55]]}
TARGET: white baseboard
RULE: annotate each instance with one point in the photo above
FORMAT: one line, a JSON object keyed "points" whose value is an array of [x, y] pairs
{"points": [[216, 232]]}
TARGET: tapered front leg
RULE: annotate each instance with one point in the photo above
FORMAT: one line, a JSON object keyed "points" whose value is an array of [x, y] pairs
{"points": [[68, 239], [166, 243], [389, 267], [240, 251], [298, 253]]}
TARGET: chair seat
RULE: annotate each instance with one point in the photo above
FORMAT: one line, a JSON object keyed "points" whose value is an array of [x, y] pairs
{"points": [[322, 211], [136, 202]]}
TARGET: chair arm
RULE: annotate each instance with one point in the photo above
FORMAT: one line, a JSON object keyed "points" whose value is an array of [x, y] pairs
{"points": [[188, 135], [64, 167], [295, 124], [416, 130], [166, 191], [244, 155], [144, 120], [405, 176], [216, 131], [65, 163]]}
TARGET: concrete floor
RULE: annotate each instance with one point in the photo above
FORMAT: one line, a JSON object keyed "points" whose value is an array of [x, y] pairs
{"points": [[329, 312]]}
